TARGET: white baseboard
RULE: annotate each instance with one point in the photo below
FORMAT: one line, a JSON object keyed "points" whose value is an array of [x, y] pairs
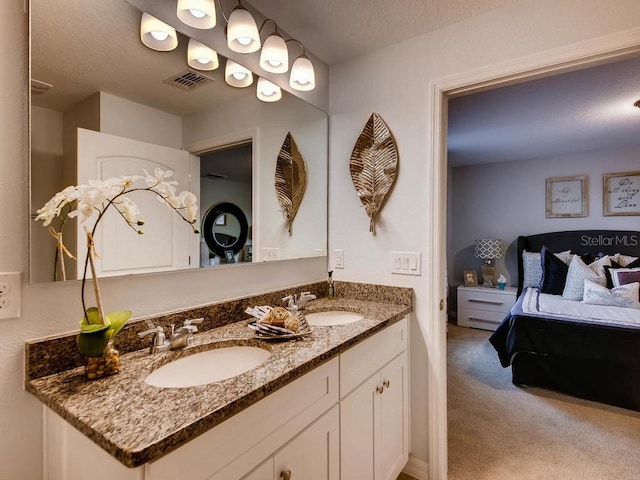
{"points": [[417, 468]]}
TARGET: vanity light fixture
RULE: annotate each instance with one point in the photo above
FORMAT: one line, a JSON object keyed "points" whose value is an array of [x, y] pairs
{"points": [[201, 57], [197, 13], [156, 34], [302, 76], [242, 31], [236, 75], [637, 104], [274, 56], [268, 91]]}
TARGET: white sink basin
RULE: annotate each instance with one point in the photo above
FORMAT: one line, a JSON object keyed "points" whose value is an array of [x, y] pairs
{"points": [[207, 367], [325, 319]]}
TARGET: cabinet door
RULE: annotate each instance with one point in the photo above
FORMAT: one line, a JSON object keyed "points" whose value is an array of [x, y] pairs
{"points": [[314, 453], [392, 439], [263, 472], [357, 427]]}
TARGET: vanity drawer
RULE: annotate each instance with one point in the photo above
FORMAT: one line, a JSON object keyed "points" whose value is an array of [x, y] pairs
{"points": [[363, 360]]}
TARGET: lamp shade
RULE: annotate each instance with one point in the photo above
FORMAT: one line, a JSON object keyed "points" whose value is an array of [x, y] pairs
{"points": [[488, 248], [201, 57], [274, 56], [242, 32], [302, 77], [236, 75], [197, 13], [268, 91], [157, 35]]}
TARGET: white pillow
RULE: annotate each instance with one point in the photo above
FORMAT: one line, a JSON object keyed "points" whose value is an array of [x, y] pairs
{"points": [[623, 260], [532, 267], [598, 265], [623, 296], [576, 275]]}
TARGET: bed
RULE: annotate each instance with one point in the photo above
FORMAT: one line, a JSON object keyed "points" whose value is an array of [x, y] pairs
{"points": [[595, 357]]}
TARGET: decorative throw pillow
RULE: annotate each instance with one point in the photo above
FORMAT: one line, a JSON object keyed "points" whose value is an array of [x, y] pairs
{"points": [[623, 296], [598, 265], [623, 276], [554, 273], [626, 260], [576, 275], [532, 267]]}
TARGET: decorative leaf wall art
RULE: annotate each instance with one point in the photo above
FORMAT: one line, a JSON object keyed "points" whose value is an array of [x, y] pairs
{"points": [[291, 179], [373, 166]]}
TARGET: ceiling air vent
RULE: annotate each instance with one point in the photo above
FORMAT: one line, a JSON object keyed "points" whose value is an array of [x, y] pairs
{"points": [[188, 80]]}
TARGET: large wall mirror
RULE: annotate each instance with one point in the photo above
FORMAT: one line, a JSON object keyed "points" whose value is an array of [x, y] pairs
{"points": [[98, 93]]}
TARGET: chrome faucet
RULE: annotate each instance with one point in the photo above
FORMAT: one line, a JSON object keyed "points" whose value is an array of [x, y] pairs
{"points": [[180, 337], [295, 302], [183, 336], [159, 342]]}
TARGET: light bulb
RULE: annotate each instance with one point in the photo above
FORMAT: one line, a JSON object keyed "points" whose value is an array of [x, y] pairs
{"points": [[156, 34], [160, 36], [268, 91], [244, 40], [236, 75], [239, 75], [197, 13]]}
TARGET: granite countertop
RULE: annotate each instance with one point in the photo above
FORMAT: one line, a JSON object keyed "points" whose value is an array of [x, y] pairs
{"points": [[147, 425]]}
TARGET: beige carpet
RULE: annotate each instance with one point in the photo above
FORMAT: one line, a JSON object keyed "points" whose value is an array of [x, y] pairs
{"points": [[498, 431]]}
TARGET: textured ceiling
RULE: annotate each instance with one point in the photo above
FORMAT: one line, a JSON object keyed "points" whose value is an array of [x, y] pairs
{"points": [[337, 30], [582, 111]]}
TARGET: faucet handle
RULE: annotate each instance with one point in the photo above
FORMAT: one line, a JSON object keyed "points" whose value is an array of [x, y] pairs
{"points": [[191, 323], [158, 335]]}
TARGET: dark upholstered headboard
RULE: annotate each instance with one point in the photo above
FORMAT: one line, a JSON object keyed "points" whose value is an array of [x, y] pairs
{"points": [[580, 242]]}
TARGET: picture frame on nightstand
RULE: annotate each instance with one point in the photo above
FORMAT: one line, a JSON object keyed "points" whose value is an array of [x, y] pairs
{"points": [[470, 278]]}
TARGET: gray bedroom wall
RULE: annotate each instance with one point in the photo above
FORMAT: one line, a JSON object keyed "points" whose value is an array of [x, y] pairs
{"points": [[504, 200]]}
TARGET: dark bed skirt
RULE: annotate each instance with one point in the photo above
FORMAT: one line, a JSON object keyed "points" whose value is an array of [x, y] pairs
{"points": [[591, 379]]}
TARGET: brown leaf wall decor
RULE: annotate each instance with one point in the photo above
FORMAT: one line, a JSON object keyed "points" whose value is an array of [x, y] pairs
{"points": [[373, 166], [290, 180]]}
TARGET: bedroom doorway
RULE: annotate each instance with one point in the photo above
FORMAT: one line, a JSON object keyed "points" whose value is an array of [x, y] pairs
{"points": [[612, 48]]}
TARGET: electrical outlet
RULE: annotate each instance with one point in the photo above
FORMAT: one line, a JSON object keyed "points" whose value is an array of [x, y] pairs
{"points": [[270, 254], [338, 258], [10, 295]]}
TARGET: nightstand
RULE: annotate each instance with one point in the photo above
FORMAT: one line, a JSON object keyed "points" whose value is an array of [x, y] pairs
{"points": [[482, 307]]}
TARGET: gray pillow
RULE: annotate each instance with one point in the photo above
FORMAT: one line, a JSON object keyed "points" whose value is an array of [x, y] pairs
{"points": [[577, 274], [532, 267]]}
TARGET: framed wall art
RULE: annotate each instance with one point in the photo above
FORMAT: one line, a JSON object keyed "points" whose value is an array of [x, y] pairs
{"points": [[621, 194], [470, 278], [567, 197]]}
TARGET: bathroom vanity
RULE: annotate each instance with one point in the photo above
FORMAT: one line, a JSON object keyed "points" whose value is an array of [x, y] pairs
{"points": [[331, 405]]}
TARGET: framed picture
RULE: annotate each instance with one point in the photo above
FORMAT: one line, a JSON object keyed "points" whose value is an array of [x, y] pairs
{"points": [[470, 278], [221, 220], [228, 255], [567, 197], [621, 194]]}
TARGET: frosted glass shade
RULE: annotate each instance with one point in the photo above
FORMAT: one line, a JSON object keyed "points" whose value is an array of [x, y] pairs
{"points": [[201, 57], [302, 77], [197, 13], [157, 35], [268, 91], [274, 56], [242, 32], [236, 75]]}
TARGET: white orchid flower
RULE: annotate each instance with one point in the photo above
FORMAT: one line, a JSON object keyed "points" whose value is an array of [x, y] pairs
{"points": [[158, 183], [91, 200], [128, 209], [190, 202]]}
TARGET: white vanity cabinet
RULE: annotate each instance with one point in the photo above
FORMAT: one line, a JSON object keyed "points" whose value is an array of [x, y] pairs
{"points": [[347, 419], [374, 407]]}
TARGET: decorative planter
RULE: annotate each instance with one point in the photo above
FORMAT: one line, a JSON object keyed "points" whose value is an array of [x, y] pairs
{"points": [[103, 366]]}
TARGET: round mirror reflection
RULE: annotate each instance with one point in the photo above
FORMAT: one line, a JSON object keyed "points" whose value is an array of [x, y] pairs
{"points": [[225, 230]]}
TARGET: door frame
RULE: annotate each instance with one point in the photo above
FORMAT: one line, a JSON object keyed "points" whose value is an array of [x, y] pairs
{"points": [[571, 57]]}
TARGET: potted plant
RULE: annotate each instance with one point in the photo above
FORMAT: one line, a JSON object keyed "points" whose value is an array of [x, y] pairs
{"points": [[89, 203]]}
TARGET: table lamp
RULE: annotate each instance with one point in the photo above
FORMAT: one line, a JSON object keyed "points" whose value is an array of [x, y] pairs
{"points": [[488, 249]]}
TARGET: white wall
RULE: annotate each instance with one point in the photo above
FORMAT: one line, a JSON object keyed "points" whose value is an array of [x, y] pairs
{"points": [[504, 200], [55, 308], [395, 82]]}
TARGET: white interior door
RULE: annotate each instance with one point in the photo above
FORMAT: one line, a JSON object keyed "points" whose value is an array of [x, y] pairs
{"points": [[168, 243]]}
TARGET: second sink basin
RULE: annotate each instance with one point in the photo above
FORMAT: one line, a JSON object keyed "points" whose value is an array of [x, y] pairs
{"points": [[325, 319], [207, 367]]}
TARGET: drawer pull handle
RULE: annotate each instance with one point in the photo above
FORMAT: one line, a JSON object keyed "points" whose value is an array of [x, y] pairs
{"points": [[379, 389], [286, 475], [386, 384], [481, 320], [490, 302]]}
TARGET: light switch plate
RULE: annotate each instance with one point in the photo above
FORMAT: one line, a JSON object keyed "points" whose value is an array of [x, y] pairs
{"points": [[406, 263]]}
